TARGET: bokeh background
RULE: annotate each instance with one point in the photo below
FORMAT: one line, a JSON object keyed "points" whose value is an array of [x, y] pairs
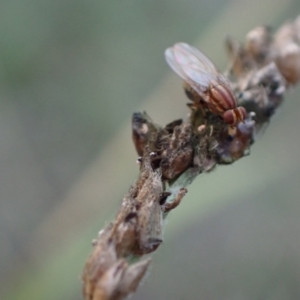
{"points": [[71, 74]]}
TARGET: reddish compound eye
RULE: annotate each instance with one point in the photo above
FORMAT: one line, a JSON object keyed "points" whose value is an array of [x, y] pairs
{"points": [[229, 117], [234, 116]]}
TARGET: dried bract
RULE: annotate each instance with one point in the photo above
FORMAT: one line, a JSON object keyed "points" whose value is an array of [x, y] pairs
{"points": [[178, 152], [143, 130], [150, 220], [120, 280]]}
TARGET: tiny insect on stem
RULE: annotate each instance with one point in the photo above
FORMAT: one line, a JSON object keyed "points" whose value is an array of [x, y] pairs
{"points": [[204, 82]]}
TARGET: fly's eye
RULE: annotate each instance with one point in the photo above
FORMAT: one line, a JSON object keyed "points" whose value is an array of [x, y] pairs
{"points": [[229, 117]]}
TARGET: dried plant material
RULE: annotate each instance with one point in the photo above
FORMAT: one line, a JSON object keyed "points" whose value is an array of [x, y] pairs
{"points": [[285, 34], [258, 44], [119, 280], [241, 61], [225, 114], [177, 154], [287, 41], [289, 62], [230, 150], [137, 230]]}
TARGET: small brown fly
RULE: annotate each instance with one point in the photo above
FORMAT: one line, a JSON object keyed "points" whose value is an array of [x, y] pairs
{"points": [[204, 84]]}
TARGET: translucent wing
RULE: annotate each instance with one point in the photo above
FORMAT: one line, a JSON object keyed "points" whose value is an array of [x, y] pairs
{"points": [[194, 67]]}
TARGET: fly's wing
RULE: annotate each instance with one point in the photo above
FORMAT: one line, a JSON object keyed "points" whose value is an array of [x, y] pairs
{"points": [[193, 67]]}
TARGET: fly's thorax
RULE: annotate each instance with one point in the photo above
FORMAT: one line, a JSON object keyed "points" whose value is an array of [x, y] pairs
{"points": [[221, 98]]}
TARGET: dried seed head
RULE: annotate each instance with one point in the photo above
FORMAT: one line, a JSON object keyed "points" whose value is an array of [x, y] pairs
{"points": [[297, 29], [285, 34], [258, 42], [287, 42], [288, 62]]}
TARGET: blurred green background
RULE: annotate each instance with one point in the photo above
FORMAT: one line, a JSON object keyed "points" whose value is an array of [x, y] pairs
{"points": [[71, 75]]}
